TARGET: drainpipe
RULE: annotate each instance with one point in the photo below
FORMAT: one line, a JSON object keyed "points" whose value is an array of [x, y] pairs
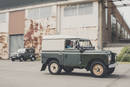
{"points": [[100, 40], [58, 21]]}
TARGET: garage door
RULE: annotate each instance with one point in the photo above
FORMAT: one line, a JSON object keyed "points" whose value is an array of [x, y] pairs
{"points": [[16, 42]]}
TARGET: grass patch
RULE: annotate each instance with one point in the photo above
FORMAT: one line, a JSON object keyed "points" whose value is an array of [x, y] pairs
{"points": [[124, 55]]}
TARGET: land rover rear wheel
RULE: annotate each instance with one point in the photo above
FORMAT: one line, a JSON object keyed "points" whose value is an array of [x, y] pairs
{"points": [[98, 69], [54, 67]]}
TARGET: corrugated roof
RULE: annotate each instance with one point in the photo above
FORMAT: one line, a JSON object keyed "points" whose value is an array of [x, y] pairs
{"points": [[7, 4]]}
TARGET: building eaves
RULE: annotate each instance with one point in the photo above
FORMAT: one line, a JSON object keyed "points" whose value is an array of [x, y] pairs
{"points": [[9, 4]]}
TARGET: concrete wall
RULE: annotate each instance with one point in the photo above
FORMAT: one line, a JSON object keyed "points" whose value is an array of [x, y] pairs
{"points": [[4, 36], [3, 45], [37, 28], [4, 22], [36, 25]]}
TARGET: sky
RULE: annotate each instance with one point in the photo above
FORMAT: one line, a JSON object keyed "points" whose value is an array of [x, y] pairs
{"points": [[125, 11]]}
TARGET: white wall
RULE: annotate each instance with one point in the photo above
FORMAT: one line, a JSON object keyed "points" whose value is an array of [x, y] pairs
{"points": [[49, 45], [85, 26], [4, 35], [4, 22]]}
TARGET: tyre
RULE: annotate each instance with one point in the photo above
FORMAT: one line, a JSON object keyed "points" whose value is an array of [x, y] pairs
{"points": [[21, 59], [33, 58], [98, 69], [110, 71], [13, 59], [54, 67], [68, 69]]}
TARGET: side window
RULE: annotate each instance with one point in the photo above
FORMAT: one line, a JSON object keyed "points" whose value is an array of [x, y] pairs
{"points": [[69, 44]]}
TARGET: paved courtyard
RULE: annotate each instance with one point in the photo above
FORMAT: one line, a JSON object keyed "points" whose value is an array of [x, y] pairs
{"points": [[28, 74]]}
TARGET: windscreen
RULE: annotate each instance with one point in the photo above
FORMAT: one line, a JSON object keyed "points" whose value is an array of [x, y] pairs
{"points": [[85, 43]]}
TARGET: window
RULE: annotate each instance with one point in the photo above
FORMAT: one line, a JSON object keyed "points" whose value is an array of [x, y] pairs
{"points": [[84, 43], [78, 9], [70, 10], [69, 44], [3, 17], [85, 9], [45, 12], [33, 13], [37, 13]]}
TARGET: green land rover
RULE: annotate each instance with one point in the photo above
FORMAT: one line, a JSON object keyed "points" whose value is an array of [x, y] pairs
{"points": [[69, 52]]}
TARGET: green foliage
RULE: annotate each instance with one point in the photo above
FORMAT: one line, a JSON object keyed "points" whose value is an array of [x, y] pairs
{"points": [[124, 56]]}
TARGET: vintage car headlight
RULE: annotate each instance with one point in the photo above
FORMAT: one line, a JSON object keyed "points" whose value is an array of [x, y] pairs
{"points": [[109, 58]]}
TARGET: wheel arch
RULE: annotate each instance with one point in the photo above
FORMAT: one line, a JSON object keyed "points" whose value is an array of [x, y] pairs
{"points": [[50, 59]]}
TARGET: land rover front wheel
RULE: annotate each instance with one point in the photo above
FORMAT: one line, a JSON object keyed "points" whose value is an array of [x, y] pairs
{"points": [[98, 69], [54, 67]]}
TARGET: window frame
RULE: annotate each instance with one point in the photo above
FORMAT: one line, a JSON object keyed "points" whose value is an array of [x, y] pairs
{"points": [[77, 9], [29, 15]]}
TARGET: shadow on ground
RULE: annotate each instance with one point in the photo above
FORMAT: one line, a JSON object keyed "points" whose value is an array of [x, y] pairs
{"points": [[113, 76]]}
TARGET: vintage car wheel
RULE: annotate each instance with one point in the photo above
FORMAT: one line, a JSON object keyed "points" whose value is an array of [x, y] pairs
{"points": [[54, 67], [21, 59], [98, 69], [110, 71], [68, 69], [33, 58]]}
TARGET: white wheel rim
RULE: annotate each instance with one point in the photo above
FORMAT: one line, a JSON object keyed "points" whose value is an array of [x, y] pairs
{"points": [[98, 70], [21, 58], [32, 58], [54, 67]]}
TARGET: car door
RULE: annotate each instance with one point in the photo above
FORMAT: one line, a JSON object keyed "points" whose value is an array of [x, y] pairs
{"points": [[71, 56]]}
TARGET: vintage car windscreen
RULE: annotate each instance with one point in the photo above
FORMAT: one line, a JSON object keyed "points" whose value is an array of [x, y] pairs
{"points": [[85, 43]]}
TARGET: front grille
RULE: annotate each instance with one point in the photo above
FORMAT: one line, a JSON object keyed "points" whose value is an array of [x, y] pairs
{"points": [[113, 60]]}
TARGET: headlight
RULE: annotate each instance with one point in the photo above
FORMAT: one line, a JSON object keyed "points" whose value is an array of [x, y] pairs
{"points": [[109, 58]]}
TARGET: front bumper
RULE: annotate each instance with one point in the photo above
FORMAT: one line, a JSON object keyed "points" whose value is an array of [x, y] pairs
{"points": [[112, 65]]}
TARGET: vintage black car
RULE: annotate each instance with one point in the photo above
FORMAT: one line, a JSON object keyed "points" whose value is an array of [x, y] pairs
{"points": [[69, 52], [24, 54]]}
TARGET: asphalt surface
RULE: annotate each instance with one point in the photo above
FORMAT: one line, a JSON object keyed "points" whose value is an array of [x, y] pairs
{"points": [[28, 74]]}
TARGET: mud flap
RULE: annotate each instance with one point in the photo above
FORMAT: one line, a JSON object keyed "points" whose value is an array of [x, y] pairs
{"points": [[43, 67]]}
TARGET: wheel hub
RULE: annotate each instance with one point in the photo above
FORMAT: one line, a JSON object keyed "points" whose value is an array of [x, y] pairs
{"points": [[54, 67], [98, 70]]}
